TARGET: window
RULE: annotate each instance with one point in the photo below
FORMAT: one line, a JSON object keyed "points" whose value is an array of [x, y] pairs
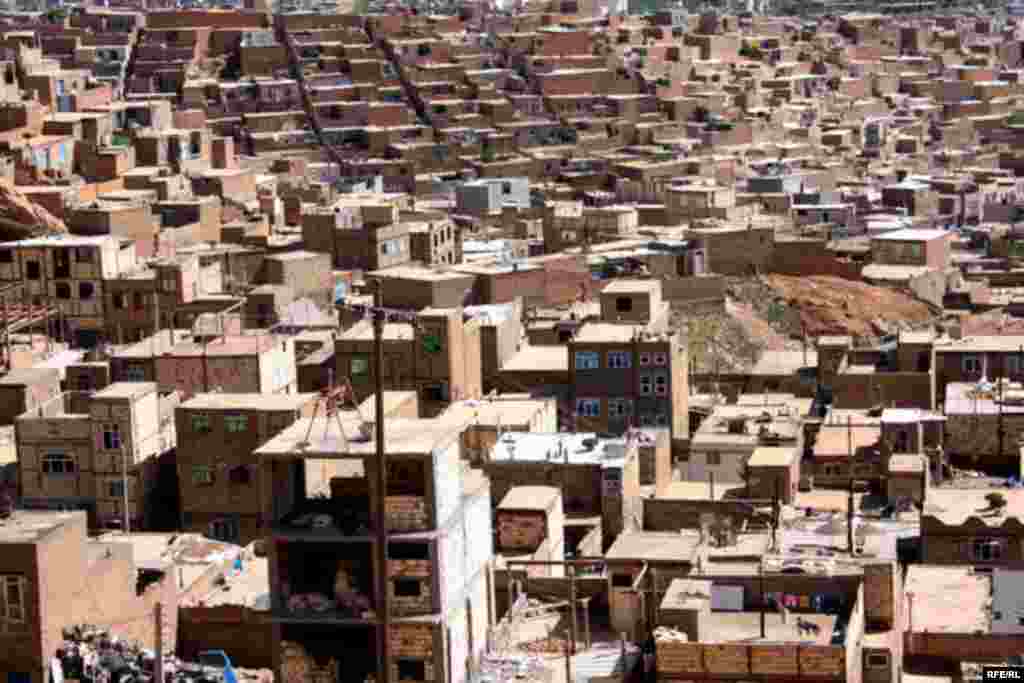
{"points": [[1013, 365], [878, 661], [201, 423], [239, 475], [986, 550], [359, 367], [588, 360], [412, 670], [119, 300], [115, 489], [914, 250], [235, 423], [620, 359], [83, 254], [32, 270], [407, 588], [646, 385], [713, 459], [506, 188], [971, 365], [202, 475], [645, 359], [138, 301], [225, 530], [111, 437], [134, 373], [645, 420], [86, 290], [661, 358], [58, 463], [12, 598], [62, 290], [619, 408], [661, 385], [832, 470], [661, 419], [623, 304], [588, 407], [6, 256]]}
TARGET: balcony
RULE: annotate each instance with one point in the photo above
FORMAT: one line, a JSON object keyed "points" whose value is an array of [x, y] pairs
{"points": [[324, 583]]}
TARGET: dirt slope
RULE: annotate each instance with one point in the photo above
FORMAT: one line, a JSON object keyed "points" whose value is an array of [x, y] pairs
{"points": [[825, 305], [20, 217]]}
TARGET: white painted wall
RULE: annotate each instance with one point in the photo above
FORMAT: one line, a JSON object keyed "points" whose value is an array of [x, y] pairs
{"points": [[1008, 601]]}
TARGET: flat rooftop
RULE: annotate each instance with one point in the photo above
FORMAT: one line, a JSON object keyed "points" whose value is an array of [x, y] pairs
{"points": [[268, 402], [31, 526], [655, 546], [497, 412], [608, 333], [912, 235], [955, 506], [128, 390], [574, 448], [948, 599], [530, 498], [402, 436], [538, 359], [733, 627]]}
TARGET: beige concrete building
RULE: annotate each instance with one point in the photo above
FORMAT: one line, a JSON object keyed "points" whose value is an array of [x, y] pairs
{"points": [[98, 452]]}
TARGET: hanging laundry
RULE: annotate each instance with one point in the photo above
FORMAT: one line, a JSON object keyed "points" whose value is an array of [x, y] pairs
{"points": [[790, 601], [818, 603], [805, 602]]}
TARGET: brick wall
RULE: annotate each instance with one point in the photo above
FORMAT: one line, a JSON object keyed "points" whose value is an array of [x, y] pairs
{"points": [[406, 513], [811, 258], [520, 530]]}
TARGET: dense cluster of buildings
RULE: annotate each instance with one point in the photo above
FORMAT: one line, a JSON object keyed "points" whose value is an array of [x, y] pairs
{"points": [[370, 343]]}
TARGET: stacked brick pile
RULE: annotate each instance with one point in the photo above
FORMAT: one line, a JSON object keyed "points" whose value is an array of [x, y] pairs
{"points": [[406, 513], [410, 604], [674, 653]]}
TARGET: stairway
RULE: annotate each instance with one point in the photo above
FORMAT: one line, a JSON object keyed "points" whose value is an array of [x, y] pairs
{"points": [[295, 66], [412, 93]]}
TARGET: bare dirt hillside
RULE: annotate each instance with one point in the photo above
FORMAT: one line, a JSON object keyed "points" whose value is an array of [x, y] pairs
{"points": [[20, 217], [773, 313], [824, 305]]}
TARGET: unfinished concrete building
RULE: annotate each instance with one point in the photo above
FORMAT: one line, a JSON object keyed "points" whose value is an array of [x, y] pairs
{"points": [[321, 502]]}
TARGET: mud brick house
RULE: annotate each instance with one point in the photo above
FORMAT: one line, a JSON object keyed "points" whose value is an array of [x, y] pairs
{"points": [[71, 272], [629, 370], [726, 439], [217, 476], [869, 446], [960, 526], [599, 477], [25, 390], [954, 614], [439, 358], [52, 572], [436, 512], [728, 642], [899, 373], [529, 524], [77, 451], [238, 363], [417, 288], [487, 420], [984, 420]]}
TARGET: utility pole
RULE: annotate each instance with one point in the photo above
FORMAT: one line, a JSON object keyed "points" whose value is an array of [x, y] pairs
{"points": [[382, 606], [158, 663], [124, 485], [760, 587], [1001, 430], [849, 492]]}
